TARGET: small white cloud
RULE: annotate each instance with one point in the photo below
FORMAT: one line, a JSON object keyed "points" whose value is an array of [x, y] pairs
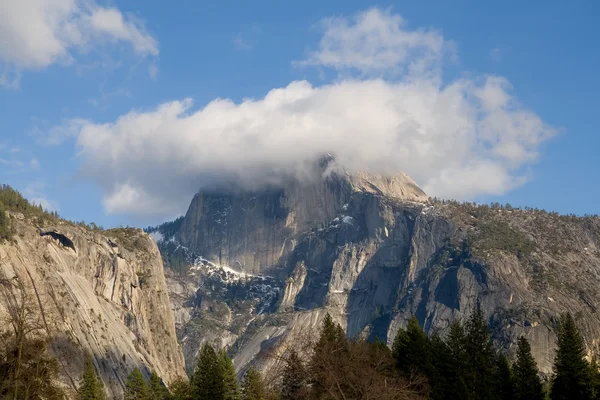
{"points": [[153, 71], [496, 54], [375, 42], [110, 22], [34, 164], [58, 134], [38, 33], [240, 43]]}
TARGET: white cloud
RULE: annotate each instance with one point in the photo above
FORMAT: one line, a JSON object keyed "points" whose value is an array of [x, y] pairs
{"points": [[457, 139], [496, 54], [59, 133], [377, 42], [34, 164], [240, 43], [153, 71], [37, 33]]}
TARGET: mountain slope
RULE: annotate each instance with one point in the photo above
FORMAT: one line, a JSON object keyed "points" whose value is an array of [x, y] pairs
{"points": [[102, 293], [372, 256]]}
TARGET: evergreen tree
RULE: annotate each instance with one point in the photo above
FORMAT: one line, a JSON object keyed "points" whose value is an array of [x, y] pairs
{"points": [[330, 333], [480, 357], [181, 390], [505, 388], [327, 353], [156, 389], [253, 387], [5, 227], [229, 376], [91, 388], [411, 349], [571, 370], [446, 381], [135, 386], [208, 381], [457, 344], [528, 385], [595, 378], [294, 379]]}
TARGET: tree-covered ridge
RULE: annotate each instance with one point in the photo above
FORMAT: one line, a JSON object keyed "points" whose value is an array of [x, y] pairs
{"points": [[167, 229], [13, 201]]}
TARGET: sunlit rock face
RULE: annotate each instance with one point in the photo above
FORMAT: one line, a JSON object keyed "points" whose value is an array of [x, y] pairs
{"points": [[100, 293]]}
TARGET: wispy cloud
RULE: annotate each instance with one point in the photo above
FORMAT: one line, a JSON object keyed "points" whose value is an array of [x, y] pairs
{"points": [[376, 42], [247, 39], [240, 43], [39, 33], [34, 164], [153, 71], [496, 54]]}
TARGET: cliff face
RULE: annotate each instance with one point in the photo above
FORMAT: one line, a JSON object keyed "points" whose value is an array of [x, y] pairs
{"points": [[99, 293], [253, 231], [371, 251]]}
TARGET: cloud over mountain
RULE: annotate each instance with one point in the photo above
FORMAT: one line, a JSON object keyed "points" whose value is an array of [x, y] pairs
{"points": [[390, 110]]}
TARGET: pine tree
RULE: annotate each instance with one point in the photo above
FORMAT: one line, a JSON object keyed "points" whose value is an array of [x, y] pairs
{"points": [[207, 381], [253, 387], [229, 376], [411, 349], [571, 370], [331, 347], [294, 379], [330, 333], [181, 390], [446, 381], [528, 385], [156, 389], [135, 386], [505, 388], [595, 378], [91, 388], [6, 230], [457, 343], [480, 356]]}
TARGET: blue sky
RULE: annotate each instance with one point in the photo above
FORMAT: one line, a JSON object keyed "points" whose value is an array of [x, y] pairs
{"points": [[481, 101]]}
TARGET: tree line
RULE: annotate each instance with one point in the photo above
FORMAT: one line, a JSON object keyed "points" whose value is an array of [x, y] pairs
{"points": [[464, 364]]}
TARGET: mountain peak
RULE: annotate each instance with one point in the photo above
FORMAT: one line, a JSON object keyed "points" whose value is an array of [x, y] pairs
{"points": [[399, 186]]}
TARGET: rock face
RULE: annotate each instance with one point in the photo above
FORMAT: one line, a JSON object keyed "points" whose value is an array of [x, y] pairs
{"points": [[372, 251], [99, 293], [253, 231]]}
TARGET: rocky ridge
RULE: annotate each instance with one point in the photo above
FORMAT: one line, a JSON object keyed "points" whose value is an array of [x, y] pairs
{"points": [[98, 292], [373, 254]]}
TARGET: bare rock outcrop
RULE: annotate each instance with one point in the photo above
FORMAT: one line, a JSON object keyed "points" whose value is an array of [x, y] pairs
{"points": [[101, 293]]}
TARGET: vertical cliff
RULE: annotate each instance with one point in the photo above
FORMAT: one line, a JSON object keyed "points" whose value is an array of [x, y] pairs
{"points": [[102, 293], [254, 230]]}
